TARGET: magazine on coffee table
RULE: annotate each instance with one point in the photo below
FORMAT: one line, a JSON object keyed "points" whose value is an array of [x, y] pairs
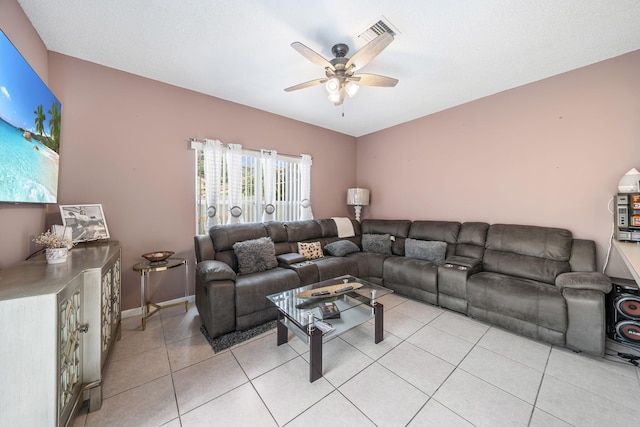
{"points": [[329, 310]]}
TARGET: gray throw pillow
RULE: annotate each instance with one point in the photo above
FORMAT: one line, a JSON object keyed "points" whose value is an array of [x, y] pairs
{"points": [[433, 251], [255, 255], [377, 243], [341, 248]]}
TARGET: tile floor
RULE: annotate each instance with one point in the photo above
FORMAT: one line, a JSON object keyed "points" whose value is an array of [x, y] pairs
{"points": [[434, 368]]}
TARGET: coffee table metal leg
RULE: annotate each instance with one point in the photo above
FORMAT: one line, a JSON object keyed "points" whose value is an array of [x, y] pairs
{"points": [[379, 322], [315, 349], [282, 331]]}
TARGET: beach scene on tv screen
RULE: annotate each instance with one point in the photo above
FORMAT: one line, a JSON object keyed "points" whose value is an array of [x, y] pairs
{"points": [[30, 117]]}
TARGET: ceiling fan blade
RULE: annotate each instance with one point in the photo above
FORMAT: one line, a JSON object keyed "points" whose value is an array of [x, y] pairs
{"points": [[312, 55], [369, 51], [306, 84], [374, 80]]}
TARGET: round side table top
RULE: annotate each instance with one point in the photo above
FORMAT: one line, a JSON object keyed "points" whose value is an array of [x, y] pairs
{"points": [[146, 266]]}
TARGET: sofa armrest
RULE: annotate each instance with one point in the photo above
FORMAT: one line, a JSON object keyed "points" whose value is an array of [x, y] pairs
{"points": [[203, 247], [290, 258], [210, 270], [462, 261], [588, 281]]}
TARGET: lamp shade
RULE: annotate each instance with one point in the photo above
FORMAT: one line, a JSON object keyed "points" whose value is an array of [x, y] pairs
{"points": [[357, 197], [629, 181]]}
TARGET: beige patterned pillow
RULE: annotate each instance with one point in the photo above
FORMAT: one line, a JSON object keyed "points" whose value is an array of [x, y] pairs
{"points": [[312, 250]]}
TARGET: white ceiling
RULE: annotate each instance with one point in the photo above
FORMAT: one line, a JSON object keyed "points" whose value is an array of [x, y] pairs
{"points": [[446, 53]]}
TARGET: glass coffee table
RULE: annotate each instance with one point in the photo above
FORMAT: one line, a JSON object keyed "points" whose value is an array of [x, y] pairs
{"points": [[299, 311]]}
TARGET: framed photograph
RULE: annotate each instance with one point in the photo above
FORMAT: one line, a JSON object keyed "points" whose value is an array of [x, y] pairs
{"points": [[86, 222]]}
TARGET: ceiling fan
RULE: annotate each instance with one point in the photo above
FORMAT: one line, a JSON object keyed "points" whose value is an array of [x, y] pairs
{"points": [[341, 77]]}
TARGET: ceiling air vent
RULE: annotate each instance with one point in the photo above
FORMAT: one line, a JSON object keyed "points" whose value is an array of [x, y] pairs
{"points": [[382, 26]]}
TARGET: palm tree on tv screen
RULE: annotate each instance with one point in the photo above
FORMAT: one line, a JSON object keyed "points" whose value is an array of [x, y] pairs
{"points": [[39, 120], [54, 126]]}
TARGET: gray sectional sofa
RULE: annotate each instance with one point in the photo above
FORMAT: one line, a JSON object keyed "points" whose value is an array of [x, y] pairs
{"points": [[537, 281]]}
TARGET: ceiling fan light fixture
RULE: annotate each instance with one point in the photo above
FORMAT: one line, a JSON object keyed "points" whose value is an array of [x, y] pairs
{"points": [[333, 85], [334, 97], [352, 89]]}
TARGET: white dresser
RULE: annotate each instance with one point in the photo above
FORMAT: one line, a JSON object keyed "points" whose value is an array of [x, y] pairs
{"points": [[58, 323]]}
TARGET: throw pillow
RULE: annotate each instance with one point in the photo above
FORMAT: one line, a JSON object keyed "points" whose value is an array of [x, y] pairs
{"points": [[341, 248], [377, 243], [311, 250], [433, 251], [255, 255]]}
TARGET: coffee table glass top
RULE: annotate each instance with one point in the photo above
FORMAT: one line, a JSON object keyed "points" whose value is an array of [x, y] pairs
{"points": [[346, 292]]}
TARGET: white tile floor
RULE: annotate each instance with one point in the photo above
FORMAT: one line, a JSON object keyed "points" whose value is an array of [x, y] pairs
{"points": [[434, 368]]}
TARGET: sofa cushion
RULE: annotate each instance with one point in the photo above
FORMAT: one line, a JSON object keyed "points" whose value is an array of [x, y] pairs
{"points": [[412, 277], [541, 242], [377, 243], [531, 301], [298, 231], [252, 290], [433, 251], [397, 228], [310, 250], [255, 255], [530, 252], [330, 267], [369, 264], [471, 239], [341, 248]]}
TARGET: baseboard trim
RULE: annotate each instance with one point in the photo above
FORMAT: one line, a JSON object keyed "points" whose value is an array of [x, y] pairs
{"points": [[138, 310]]}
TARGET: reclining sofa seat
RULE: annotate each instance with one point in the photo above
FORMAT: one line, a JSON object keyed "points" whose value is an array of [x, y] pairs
{"points": [[541, 283], [324, 231], [418, 278], [228, 300], [370, 264]]}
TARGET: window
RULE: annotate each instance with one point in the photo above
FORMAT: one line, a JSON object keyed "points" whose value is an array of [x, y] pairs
{"points": [[252, 186]]}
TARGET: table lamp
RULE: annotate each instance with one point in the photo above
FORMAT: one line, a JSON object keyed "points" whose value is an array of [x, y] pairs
{"points": [[358, 197]]}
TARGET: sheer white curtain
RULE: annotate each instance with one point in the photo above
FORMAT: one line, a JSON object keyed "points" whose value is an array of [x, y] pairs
{"points": [[213, 151], [305, 187], [269, 159], [234, 162]]}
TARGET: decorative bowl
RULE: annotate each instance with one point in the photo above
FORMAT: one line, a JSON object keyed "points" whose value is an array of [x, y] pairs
{"points": [[157, 256]]}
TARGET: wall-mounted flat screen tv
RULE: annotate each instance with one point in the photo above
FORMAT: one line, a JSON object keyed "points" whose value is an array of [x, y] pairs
{"points": [[30, 117]]}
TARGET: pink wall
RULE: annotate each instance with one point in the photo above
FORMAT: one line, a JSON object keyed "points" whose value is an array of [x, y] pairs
{"points": [[20, 223], [548, 153], [125, 146]]}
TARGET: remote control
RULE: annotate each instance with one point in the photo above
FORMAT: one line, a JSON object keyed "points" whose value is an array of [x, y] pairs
{"points": [[347, 288], [318, 294]]}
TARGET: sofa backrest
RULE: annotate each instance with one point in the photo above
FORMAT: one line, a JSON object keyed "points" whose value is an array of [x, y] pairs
{"points": [[225, 236], [278, 233], [324, 231], [397, 228], [441, 231], [471, 239], [530, 252]]}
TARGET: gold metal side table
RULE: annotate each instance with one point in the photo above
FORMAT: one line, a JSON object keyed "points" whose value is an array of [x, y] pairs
{"points": [[145, 268]]}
